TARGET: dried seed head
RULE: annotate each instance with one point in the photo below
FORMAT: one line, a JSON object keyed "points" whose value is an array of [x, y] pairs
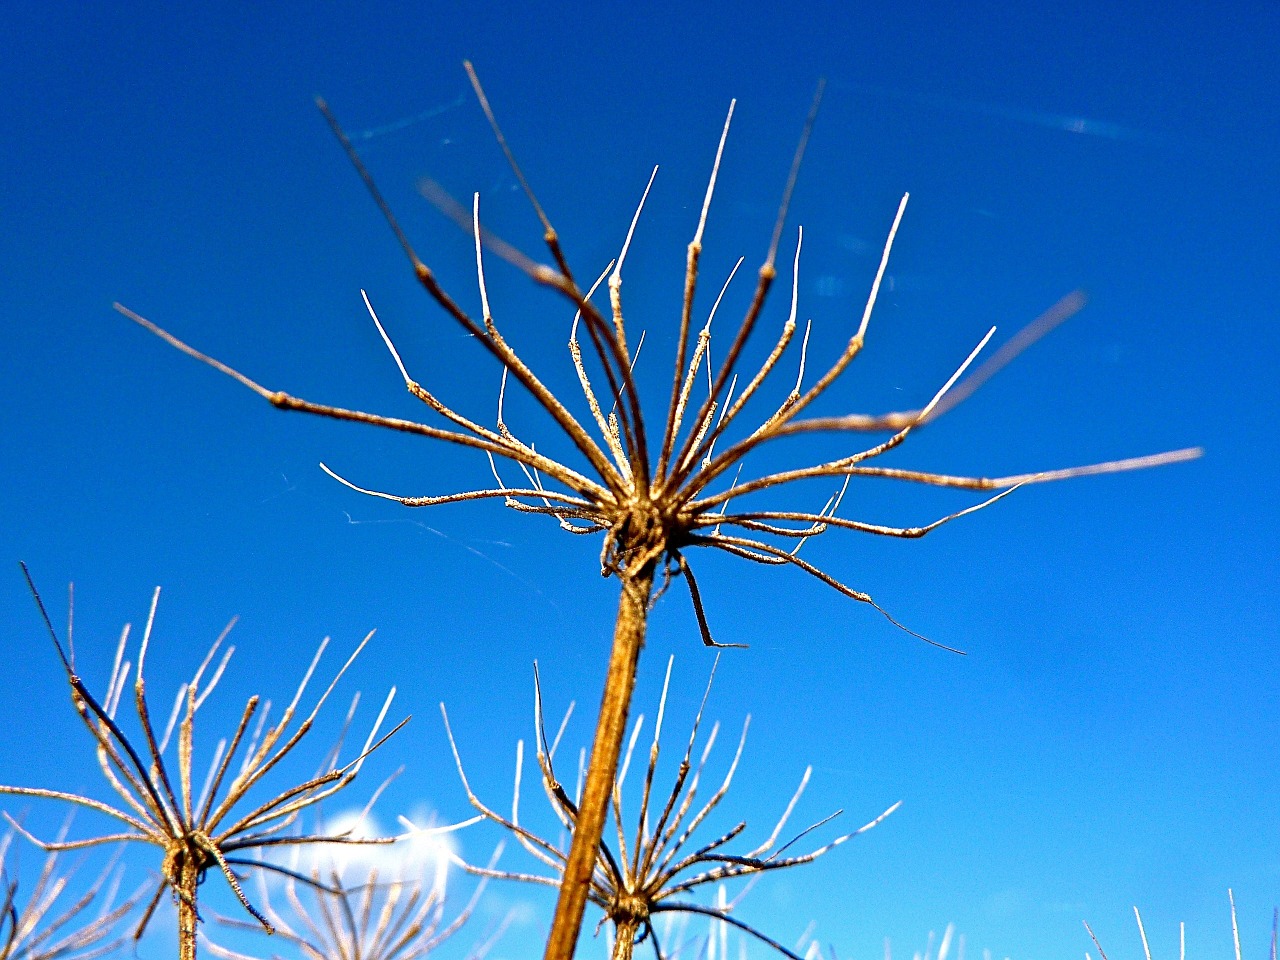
{"points": [[656, 497], [196, 833], [654, 866]]}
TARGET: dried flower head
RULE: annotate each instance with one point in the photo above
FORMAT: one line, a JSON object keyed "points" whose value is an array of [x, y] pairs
{"points": [[209, 828], [665, 861], [331, 918], [656, 495], [41, 929]]}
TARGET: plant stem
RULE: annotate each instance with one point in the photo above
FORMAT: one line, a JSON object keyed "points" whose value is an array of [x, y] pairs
{"points": [[593, 806], [624, 940], [188, 878]]}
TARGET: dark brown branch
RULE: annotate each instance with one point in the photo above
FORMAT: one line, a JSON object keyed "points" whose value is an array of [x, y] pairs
{"points": [[284, 401], [432, 286], [686, 310], [782, 555], [766, 277]]}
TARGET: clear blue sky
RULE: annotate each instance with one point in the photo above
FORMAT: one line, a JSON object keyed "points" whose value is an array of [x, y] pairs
{"points": [[1112, 737]]}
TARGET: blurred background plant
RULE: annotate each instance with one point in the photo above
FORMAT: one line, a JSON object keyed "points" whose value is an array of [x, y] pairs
{"points": [[46, 925], [396, 913], [1182, 934]]}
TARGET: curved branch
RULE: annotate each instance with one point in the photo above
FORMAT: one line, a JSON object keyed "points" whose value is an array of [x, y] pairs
{"points": [[766, 275], [58, 845], [819, 522], [563, 281], [421, 392], [284, 401], [719, 540], [699, 611], [766, 433], [493, 344], [836, 469], [852, 349], [788, 331], [506, 492], [726, 918], [686, 310]]}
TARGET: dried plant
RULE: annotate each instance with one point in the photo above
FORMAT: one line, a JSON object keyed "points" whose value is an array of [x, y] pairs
{"points": [[1182, 934], [377, 919], [42, 930], [201, 831], [655, 495], [664, 862]]}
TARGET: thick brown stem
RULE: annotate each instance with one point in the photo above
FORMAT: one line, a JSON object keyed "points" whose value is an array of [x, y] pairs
{"points": [[188, 877], [624, 939], [593, 807]]}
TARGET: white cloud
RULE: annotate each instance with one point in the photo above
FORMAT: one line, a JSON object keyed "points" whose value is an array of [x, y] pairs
{"points": [[420, 855]]}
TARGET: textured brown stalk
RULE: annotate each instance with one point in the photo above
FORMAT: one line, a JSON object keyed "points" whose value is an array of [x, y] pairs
{"points": [[624, 940], [188, 878], [593, 806]]}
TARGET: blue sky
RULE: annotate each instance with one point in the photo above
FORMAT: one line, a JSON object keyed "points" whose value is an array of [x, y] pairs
{"points": [[1111, 737]]}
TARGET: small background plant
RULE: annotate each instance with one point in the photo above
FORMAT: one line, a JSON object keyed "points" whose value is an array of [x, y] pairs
{"points": [[674, 853], [52, 919], [239, 811]]}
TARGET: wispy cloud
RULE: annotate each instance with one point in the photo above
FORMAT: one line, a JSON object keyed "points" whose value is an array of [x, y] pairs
{"points": [[1066, 122]]}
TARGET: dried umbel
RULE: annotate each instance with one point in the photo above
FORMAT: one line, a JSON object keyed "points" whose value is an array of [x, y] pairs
{"points": [[330, 918], [42, 928], [197, 829], [656, 490], [659, 869]]}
